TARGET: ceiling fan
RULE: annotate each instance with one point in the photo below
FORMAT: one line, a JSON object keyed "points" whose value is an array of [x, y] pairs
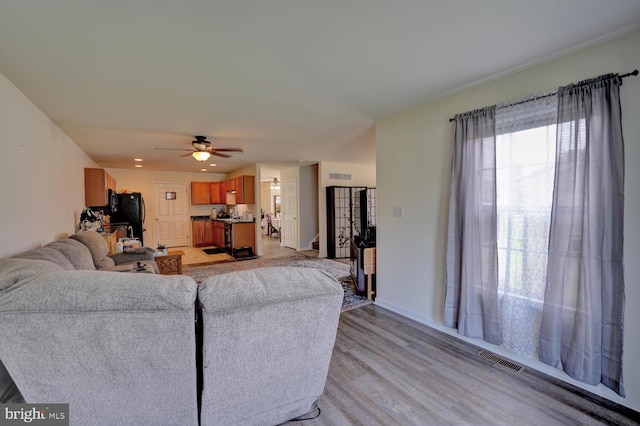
{"points": [[202, 149]]}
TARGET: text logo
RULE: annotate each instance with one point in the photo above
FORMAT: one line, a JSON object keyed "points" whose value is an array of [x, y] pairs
{"points": [[34, 414]]}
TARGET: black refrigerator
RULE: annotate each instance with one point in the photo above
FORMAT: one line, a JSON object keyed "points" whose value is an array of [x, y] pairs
{"points": [[130, 209]]}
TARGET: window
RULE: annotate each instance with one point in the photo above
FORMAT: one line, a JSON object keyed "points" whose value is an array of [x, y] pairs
{"points": [[525, 164]]}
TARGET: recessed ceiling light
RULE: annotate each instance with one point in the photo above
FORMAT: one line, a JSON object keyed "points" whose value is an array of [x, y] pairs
{"points": [[203, 170], [213, 165], [137, 159], [138, 165]]}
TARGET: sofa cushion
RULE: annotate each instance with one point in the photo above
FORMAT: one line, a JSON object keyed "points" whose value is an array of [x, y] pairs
{"points": [[76, 252], [267, 339], [48, 254], [14, 272], [98, 247]]}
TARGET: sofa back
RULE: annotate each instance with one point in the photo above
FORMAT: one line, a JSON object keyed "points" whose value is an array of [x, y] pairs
{"points": [[50, 255], [76, 252], [97, 246], [267, 340], [119, 347]]}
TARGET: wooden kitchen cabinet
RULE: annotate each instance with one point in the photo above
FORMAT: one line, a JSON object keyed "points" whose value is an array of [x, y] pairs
{"points": [[244, 187], [207, 193], [201, 233], [97, 183], [197, 233], [215, 193], [248, 190], [244, 235], [207, 232], [200, 193], [218, 233]]}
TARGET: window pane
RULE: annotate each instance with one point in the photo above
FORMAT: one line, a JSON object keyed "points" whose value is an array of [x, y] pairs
{"points": [[524, 189]]}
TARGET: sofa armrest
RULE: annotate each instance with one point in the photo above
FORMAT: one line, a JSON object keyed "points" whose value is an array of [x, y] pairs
{"points": [[134, 255], [129, 338]]}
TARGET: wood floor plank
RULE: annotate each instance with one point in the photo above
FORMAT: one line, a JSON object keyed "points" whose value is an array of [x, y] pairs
{"points": [[390, 370]]}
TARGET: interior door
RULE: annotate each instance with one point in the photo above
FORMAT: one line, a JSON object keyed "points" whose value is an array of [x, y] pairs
{"points": [[171, 224], [289, 227]]}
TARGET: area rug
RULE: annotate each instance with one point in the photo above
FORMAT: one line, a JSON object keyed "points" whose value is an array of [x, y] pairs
{"points": [[339, 270]]}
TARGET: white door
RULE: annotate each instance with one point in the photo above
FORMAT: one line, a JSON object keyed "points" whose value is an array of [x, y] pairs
{"points": [[290, 214], [171, 211]]}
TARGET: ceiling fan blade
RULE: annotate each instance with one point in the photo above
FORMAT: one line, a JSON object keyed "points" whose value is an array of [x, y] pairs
{"points": [[173, 149], [227, 149], [219, 154], [187, 155]]}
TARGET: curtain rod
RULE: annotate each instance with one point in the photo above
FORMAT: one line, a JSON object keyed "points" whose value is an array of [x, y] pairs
{"points": [[629, 74]]}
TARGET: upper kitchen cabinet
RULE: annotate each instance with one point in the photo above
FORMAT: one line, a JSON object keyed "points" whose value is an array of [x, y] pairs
{"points": [[245, 190], [200, 193], [206, 193], [215, 193], [97, 183]]}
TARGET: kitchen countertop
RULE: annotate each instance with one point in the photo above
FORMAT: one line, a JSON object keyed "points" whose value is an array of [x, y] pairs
{"points": [[236, 221], [228, 220]]}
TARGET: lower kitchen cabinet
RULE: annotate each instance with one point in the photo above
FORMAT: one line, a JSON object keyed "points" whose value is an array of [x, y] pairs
{"points": [[218, 233], [244, 235], [202, 233]]}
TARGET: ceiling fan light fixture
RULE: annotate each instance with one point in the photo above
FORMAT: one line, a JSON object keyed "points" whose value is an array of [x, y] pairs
{"points": [[201, 143], [201, 155], [275, 184]]}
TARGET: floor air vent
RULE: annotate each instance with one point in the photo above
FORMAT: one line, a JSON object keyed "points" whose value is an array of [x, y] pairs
{"points": [[499, 360]]}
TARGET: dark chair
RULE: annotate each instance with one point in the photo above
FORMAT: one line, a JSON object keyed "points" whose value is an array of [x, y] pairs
{"points": [[272, 230]]}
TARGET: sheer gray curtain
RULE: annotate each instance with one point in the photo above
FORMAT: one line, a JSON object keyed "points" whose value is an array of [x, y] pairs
{"points": [[471, 303], [581, 329]]}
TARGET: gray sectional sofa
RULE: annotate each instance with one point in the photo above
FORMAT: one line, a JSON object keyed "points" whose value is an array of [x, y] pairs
{"points": [[138, 348]]}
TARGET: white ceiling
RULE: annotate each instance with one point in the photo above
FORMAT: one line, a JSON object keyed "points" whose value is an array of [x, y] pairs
{"points": [[285, 80]]}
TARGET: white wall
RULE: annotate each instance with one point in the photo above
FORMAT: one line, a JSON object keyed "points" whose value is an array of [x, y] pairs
{"points": [[140, 180], [361, 175], [41, 175], [413, 166]]}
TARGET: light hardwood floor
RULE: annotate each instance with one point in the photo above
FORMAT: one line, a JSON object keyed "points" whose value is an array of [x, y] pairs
{"points": [[270, 248], [389, 370]]}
